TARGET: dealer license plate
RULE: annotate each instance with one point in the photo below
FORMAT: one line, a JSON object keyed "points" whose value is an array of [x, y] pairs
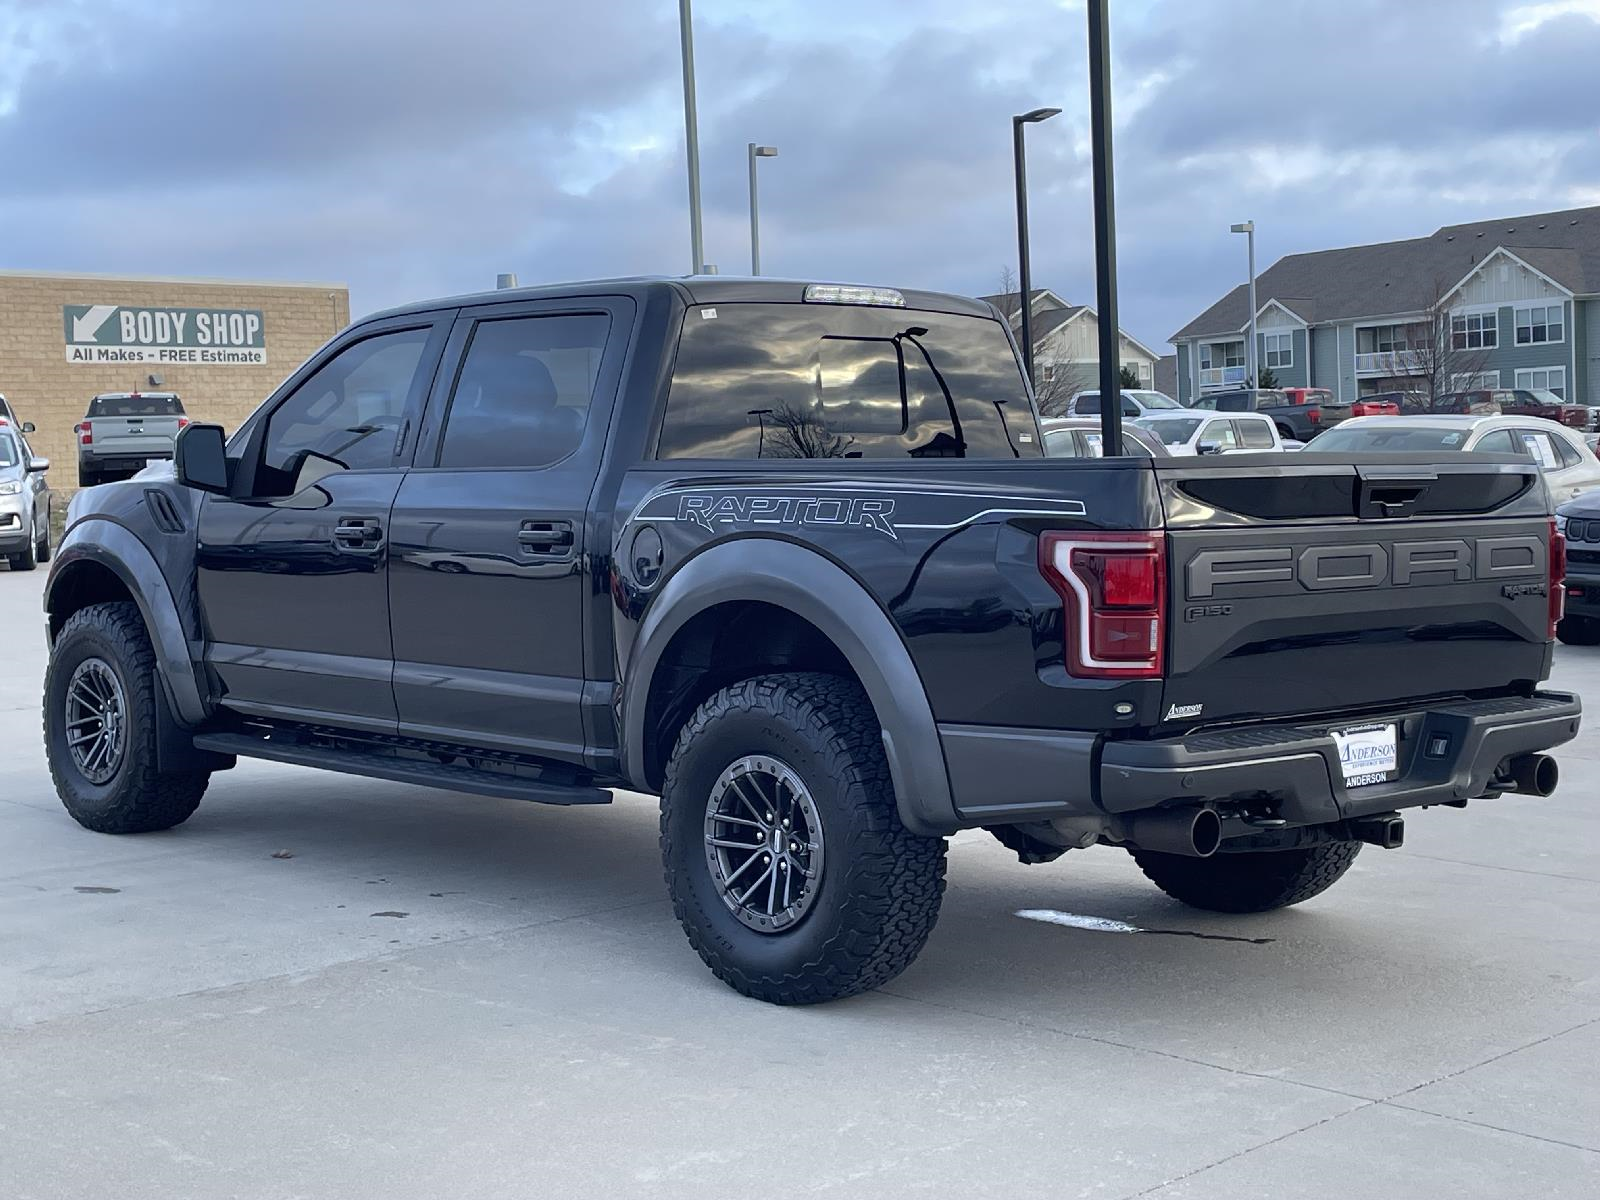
{"points": [[1367, 753]]}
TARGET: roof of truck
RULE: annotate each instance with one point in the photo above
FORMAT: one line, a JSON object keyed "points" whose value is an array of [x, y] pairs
{"points": [[693, 289]]}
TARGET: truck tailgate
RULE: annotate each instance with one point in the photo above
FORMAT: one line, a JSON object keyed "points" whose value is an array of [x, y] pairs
{"points": [[1324, 585], [134, 435]]}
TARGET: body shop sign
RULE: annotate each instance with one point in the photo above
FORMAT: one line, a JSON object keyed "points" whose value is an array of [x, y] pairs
{"points": [[119, 333]]}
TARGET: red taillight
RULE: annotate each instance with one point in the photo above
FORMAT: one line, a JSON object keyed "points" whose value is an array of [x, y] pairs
{"points": [[1113, 592], [182, 421], [86, 433], [1314, 415], [1558, 572]]}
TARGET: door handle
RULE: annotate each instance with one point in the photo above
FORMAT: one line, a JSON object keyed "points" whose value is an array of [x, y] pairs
{"points": [[552, 539], [358, 533]]}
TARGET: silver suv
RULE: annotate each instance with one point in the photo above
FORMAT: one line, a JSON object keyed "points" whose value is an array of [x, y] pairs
{"points": [[24, 501]]}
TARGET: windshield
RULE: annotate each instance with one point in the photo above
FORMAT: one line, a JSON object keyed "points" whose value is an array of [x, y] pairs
{"points": [[1089, 402], [8, 451], [1390, 439], [135, 406], [1544, 397], [1173, 431]]}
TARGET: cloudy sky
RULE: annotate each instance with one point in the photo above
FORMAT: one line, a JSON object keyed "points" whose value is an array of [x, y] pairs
{"points": [[416, 147]]}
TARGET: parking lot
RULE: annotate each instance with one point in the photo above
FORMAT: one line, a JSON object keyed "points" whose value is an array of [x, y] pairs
{"points": [[329, 986]]}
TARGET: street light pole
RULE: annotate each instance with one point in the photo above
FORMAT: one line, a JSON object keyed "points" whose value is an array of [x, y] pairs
{"points": [[754, 152], [1248, 228], [691, 135], [1105, 227], [1024, 269]]}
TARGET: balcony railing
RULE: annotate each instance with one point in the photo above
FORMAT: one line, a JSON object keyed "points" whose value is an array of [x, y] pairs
{"points": [[1391, 362], [1221, 376]]}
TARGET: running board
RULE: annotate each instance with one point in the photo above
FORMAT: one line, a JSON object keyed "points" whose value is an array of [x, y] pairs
{"points": [[402, 770]]}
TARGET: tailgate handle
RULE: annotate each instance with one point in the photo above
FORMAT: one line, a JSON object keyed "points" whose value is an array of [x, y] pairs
{"points": [[1383, 496]]}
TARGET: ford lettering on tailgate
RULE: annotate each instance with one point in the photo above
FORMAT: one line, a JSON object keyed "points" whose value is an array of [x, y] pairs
{"points": [[1279, 570]]}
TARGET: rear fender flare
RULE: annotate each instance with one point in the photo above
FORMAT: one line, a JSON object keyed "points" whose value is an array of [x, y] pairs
{"points": [[112, 546], [815, 589]]}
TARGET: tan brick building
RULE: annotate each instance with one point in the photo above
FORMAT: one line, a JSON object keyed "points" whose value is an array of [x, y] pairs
{"points": [[222, 345]]}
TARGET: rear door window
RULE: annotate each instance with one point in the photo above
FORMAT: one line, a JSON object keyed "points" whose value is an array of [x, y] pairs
{"points": [[1540, 447], [1254, 435], [522, 396], [842, 381]]}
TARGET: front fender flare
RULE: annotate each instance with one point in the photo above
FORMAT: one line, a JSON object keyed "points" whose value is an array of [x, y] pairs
{"points": [[815, 589], [111, 545]]}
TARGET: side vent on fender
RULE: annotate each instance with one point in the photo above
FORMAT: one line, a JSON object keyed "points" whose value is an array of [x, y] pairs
{"points": [[163, 512]]}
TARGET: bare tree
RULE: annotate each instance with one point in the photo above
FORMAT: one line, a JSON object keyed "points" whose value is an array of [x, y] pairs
{"points": [[1009, 306], [793, 434], [1447, 352], [1058, 380]]}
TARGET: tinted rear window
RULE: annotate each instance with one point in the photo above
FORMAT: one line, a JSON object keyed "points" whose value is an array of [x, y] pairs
{"points": [[836, 381], [135, 406]]}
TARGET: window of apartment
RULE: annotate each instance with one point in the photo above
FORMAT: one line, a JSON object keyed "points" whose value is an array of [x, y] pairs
{"points": [[1221, 354], [1540, 323], [1552, 379], [1279, 348], [1381, 339], [1475, 382], [1475, 331], [1140, 371]]}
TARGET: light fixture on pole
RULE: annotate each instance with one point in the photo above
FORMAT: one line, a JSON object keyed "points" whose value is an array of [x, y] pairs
{"points": [[754, 152], [1025, 274], [1252, 375], [691, 136]]}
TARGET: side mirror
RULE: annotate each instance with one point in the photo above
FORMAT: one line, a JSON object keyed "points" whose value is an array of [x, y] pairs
{"points": [[27, 427], [37, 465], [1209, 448], [200, 459]]}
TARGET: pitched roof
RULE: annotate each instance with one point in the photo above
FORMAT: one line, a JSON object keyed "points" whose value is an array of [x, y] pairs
{"points": [[1408, 276], [1007, 301], [1053, 319]]}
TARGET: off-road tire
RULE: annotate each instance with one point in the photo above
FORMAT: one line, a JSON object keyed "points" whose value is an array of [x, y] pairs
{"points": [[138, 798], [1248, 883], [881, 884], [1579, 631]]}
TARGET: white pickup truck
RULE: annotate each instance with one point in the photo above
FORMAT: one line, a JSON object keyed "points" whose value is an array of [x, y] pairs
{"points": [[123, 431]]}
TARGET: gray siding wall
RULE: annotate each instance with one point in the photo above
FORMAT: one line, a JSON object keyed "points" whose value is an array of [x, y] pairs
{"points": [[1345, 386], [1586, 323], [1290, 376], [1185, 377], [1509, 356], [1324, 357]]}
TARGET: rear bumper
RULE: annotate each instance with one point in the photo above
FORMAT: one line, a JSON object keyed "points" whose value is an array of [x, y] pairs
{"points": [[1448, 753], [126, 458], [1583, 593]]}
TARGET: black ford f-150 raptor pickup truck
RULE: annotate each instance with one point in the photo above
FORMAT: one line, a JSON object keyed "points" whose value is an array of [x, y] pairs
{"points": [[790, 556]]}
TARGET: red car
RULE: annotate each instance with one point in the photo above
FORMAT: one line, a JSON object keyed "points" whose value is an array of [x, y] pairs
{"points": [[1536, 402], [1334, 412]]}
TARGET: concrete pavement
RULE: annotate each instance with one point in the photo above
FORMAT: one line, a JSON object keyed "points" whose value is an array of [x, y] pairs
{"points": [[329, 987]]}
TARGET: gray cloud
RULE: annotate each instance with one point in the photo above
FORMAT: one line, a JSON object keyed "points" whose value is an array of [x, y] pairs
{"points": [[369, 140]]}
